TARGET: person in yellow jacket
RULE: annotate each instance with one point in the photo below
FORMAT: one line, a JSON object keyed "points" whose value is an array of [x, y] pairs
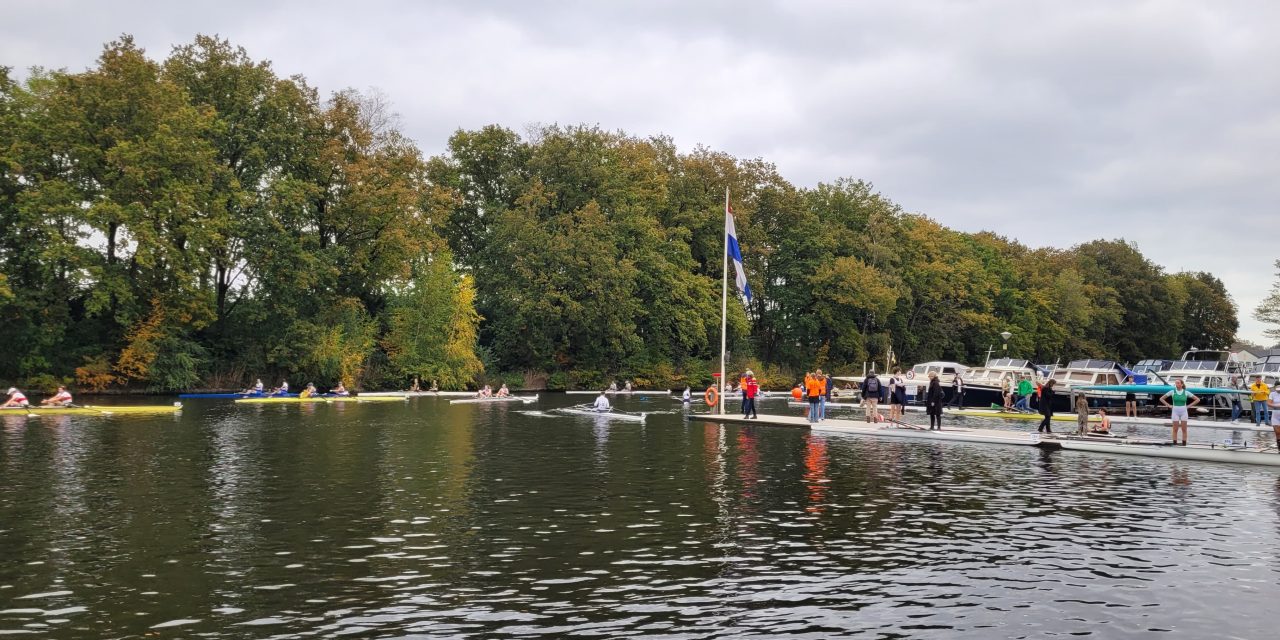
{"points": [[1258, 392], [309, 391]]}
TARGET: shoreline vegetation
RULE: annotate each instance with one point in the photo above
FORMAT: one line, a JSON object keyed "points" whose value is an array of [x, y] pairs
{"points": [[198, 221]]}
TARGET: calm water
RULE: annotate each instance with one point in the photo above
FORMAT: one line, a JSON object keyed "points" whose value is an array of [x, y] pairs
{"points": [[429, 520]]}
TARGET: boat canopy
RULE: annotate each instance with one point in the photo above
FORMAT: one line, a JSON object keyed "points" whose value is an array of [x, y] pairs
{"points": [[1006, 363], [1158, 389], [1196, 365], [1091, 364]]}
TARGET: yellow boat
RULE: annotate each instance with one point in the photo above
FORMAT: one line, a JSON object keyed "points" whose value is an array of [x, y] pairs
{"points": [[321, 399], [92, 410]]}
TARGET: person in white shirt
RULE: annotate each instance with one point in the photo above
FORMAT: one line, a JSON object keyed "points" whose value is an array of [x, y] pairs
{"points": [[281, 390], [16, 399], [1273, 402], [688, 395], [60, 399], [602, 403]]}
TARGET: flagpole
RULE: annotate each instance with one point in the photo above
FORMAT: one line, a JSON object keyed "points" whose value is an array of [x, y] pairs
{"points": [[724, 298]]}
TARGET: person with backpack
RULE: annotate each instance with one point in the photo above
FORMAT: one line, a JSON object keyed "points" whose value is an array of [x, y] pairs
{"points": [[871, 396]]}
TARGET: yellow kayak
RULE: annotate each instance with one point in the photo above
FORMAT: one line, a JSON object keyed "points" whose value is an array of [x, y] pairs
{"points": [[92, 410], [321, 399]]}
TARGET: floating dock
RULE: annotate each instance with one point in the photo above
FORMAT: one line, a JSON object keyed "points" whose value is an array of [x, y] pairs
{"points": [[1116, 421], [1256, 454]]}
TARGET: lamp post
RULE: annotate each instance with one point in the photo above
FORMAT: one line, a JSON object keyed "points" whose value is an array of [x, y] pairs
{"points": [[1005, 335]]}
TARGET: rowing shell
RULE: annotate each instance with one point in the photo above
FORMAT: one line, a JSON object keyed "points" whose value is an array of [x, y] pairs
{"points": [[418, 394], [318, 399], [663, 392], [637, 417], [524, 399], [90, 410], [234, 396]]}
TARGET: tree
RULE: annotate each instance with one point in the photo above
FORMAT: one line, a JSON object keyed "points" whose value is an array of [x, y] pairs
{"points": [[1268, 311]]}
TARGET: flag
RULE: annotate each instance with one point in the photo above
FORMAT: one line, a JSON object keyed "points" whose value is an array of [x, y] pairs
{"points": [[735, 252]]}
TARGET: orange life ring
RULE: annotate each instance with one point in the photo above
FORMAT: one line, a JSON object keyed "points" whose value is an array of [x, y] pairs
{"points": [[711, 396]]}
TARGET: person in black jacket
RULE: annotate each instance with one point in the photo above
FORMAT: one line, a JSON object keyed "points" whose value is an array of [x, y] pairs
{"points": [[933, 399], [1046, 406]]}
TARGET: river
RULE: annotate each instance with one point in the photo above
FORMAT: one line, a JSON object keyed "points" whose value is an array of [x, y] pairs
{"points": [[425, 519]]}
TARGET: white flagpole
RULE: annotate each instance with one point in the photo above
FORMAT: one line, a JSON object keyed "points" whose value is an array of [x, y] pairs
{"points": [[724, 298]]}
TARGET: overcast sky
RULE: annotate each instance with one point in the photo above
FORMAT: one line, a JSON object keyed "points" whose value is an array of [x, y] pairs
{"points": [[1049, 122]]}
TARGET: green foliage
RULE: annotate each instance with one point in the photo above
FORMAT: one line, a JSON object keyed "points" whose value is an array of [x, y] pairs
{"points": [[432, 327], [181, 222], [1268, 312]]}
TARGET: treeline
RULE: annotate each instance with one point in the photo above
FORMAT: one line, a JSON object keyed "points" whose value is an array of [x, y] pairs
{"points": [[200, 220]]}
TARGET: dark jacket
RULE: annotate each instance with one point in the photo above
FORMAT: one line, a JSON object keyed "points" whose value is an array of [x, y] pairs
{"points": [[1046, 401], [933, 398]]}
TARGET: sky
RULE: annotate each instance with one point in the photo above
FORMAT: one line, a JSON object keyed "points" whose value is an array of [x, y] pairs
{"points": [[1052, 123]]}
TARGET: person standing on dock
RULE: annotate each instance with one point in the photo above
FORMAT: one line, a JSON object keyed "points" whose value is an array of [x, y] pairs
{"points": [[1176, 401], [750, 389], [957, 391], [1046, 406], [1025, 389], [826, 392], [1130, 401], [1273, 401], [871, 396], [933, 399], [897, 395], [1082, 414], [1179, 407], [1236, 407], [813, 386], [1258, 393]]}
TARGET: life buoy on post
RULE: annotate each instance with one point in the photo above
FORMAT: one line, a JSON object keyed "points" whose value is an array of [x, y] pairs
{"points": [[911, 374], [711, 396]]}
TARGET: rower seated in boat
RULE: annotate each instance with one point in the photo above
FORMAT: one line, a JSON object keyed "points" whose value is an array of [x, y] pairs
{"points": [[60, 399], [613, 387], [16, 399], [256, 389], [340, 390], [1103, 428], [503, 391], [687, 396], [414, 388], [627, 386], [601, 403], [309, 391], [434, 387], [281, 390]]}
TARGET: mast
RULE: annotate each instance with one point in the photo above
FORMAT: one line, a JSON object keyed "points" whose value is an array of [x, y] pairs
{"points": [[724, 298]]}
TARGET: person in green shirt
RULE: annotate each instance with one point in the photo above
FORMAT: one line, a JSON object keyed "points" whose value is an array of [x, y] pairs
{"points": [[1025, 389], [1179, 401]]}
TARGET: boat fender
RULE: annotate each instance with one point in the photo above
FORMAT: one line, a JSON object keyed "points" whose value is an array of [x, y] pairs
{"points": [[911, 375], [711, 396]]}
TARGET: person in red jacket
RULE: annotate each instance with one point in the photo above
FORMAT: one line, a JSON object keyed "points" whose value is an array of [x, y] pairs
{"points": [[750, 389]]}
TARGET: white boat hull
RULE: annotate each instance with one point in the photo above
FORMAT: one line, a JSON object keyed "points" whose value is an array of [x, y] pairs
{"points": [[524, 399], [634, 417]]}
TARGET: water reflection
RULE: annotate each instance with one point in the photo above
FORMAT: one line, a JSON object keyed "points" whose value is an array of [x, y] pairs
{"points": [[479, 522]]}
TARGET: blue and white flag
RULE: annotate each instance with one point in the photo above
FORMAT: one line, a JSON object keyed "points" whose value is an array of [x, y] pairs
{"points": [[735, 252]]}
